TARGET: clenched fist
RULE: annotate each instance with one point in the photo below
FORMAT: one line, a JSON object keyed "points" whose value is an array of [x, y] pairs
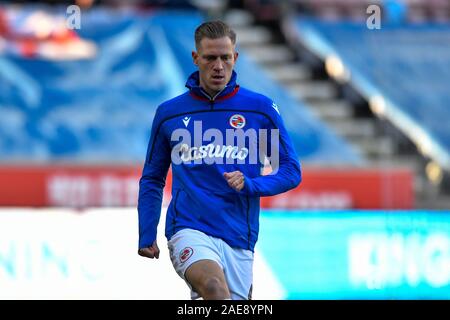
{"points": [[150, 252], [235, 180]]}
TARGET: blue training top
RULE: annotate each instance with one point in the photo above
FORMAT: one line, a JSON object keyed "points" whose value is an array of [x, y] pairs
{"points": [[201, 197]]}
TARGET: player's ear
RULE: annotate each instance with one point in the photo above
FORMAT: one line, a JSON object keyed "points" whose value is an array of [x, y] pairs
{"points": [[195, 57], [236, 55]]}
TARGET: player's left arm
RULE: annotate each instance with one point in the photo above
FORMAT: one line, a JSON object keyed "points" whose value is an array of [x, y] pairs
{"points": [[286, 172]]}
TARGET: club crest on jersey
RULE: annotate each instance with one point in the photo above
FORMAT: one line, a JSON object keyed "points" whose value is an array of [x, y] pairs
{"points": [[237, 121], [185, 254]]}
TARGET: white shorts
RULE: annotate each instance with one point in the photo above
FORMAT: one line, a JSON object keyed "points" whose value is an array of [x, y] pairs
{"points": [[188, 246]]}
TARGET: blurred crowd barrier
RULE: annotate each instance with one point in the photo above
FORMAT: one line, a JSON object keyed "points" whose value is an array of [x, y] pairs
{"points": [[106, 186], [57, 253]]}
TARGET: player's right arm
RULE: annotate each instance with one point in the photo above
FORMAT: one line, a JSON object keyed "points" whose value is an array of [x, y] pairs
{"points": [[150, 252], [287, 172], [151, 187]]}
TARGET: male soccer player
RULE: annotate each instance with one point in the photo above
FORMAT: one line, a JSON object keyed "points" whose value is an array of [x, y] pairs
{"points": [[212, 221]]}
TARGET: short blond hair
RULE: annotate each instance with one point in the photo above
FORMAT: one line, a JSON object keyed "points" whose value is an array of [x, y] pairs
{"points": [[214, 30]]}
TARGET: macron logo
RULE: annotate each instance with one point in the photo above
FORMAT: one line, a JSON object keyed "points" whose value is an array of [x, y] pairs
{"points": [[186, 121], [275, 107]]}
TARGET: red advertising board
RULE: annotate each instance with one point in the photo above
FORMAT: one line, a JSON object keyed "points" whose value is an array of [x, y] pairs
{"points": [[348, 188], [87, 186]]}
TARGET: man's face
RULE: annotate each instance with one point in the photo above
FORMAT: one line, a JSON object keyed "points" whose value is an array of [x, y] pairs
{"points": [[215, 59]]}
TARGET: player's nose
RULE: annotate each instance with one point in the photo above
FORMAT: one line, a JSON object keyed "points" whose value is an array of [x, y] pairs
{"points": [[218, 65]]}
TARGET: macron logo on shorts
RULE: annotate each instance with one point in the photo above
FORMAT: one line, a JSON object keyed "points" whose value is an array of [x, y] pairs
{"points": [[185, 254]]}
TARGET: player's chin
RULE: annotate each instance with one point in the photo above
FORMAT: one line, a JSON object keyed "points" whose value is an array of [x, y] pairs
{"points": [[217, 85]]}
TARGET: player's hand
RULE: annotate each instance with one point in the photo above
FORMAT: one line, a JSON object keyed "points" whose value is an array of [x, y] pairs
{"points": [[235, 180], [150, 252]]}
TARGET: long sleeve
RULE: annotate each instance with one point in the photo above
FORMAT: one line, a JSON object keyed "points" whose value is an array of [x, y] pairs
{"points": [[288, 173], [152, 183]]}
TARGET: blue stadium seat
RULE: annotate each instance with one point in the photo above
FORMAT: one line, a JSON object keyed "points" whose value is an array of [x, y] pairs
{"points": [[408, 65], [101, 110]]}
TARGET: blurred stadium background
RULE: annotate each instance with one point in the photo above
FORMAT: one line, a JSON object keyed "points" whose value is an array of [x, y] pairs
{"points": [[367, 106]]}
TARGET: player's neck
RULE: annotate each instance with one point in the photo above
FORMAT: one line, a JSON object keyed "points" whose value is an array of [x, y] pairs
{"points": [[211, 93]]}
